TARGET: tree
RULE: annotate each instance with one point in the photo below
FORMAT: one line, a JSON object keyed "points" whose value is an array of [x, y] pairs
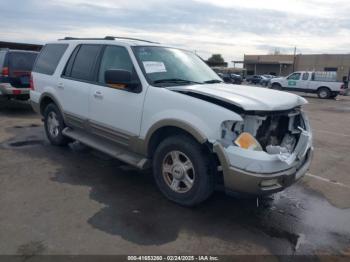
{"points": [[216, 59], [277, 51]]}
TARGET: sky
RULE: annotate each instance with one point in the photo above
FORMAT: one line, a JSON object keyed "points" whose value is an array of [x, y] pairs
{"points": [[229, 27]]}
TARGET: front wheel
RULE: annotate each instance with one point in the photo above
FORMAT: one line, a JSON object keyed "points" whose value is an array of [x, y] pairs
{"points": [[276, 86], [182, 170]]}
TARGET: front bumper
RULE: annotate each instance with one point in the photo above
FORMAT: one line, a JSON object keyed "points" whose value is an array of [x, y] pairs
{"points": [[239, 180], [260, 173]]}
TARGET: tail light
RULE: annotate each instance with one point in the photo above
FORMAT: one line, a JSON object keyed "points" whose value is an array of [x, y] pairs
{"points": [[31, 82], [5, 72]]}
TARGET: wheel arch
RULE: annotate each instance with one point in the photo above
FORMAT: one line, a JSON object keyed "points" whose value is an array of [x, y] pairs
{"points": [[165, 128], [45, 100], [324, 87], [276, 83]]}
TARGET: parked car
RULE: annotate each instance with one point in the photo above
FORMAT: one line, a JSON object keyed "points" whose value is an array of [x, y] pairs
{"points": [[322, 83], [255, 79], [265, 80], [15, 68], [231, 78], [154, 106], [237, 79]]}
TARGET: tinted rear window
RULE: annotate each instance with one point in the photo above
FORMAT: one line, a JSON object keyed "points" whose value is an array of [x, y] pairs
{"points": [[84, 62], [20, 61], [49, 58]]}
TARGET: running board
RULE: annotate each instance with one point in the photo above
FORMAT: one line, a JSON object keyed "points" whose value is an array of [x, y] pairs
{"points": [[107, 147]]}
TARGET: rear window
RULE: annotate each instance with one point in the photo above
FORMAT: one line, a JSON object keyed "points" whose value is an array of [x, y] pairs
{"points": [[21, 61], [49, 58]]}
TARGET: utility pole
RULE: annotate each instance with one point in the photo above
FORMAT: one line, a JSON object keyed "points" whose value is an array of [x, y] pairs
{"points": [[294, 57]]}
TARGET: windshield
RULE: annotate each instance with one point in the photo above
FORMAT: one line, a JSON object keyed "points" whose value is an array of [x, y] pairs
{"points": [[164, 66]]}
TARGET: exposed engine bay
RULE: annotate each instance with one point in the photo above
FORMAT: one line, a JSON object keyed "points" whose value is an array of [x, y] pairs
{"points": [[272, 132]]}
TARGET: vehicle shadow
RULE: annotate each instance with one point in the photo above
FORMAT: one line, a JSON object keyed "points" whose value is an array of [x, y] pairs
{"points": [[135, 210]]}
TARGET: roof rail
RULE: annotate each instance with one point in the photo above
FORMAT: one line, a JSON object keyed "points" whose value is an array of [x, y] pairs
{"points": [[108, 38], [130, 38], [88, 38]]}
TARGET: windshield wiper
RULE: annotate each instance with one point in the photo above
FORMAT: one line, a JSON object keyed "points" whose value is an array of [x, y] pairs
{"points": [[175, 80], [213, 81]]}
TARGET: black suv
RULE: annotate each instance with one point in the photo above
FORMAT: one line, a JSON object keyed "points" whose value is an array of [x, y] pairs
{"points": [[15, 70]]}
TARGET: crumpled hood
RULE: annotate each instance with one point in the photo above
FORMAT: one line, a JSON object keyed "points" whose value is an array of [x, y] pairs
{"points": [[247, 97]]}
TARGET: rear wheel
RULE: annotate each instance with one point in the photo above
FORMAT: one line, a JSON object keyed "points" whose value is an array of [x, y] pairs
{"points": [[182, 171], [323, 93], [54, 126]]}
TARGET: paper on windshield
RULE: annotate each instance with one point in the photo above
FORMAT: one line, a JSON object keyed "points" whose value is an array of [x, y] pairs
{"points": [[154, 67]]}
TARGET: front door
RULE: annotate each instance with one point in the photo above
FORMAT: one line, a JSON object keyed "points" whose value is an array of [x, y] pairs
{"points": [[293, 82], [115, 112]]}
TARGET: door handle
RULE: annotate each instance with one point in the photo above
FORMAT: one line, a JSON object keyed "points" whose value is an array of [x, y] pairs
{"points": [[60, 86], [98, 94]]}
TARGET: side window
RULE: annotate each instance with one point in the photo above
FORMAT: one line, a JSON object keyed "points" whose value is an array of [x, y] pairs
{"points": [[84, 62], [306, 76], [49, 58], [68, 69], [295, 76], [115, 57]]}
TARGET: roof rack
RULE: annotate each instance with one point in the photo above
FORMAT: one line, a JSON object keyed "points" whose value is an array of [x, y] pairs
{"points": [[109, 38], [130, 38], [84, 38]]}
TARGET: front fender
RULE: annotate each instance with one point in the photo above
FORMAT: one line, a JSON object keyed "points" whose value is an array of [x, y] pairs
{"points": [[200, 118]]}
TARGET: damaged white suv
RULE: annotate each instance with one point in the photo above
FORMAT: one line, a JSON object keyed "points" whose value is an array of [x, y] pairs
{"points": [[159, 107]]}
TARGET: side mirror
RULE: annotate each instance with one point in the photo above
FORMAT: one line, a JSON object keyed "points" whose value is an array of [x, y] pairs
{"points": [[118, 77]]}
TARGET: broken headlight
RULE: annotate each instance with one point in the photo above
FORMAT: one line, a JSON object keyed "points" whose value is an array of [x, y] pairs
{"points": [[247, 141], [232, 134]]}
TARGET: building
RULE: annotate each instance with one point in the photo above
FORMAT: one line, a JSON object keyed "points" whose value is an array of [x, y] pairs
{"points": [[283, 65], [20, 46]]}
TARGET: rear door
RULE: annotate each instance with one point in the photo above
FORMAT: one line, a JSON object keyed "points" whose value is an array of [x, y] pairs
{"points": [[77, 80], [305, 81]]}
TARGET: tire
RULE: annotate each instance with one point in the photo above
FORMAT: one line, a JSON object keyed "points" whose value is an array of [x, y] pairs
{"points": [[183, 171], [276, 86], [54, 125], [323, 93]]}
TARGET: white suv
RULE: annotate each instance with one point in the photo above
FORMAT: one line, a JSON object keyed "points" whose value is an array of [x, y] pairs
{"points": [[154, 106]]}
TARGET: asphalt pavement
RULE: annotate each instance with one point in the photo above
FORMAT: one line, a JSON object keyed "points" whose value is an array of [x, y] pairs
{"points": [[75, 200]]}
